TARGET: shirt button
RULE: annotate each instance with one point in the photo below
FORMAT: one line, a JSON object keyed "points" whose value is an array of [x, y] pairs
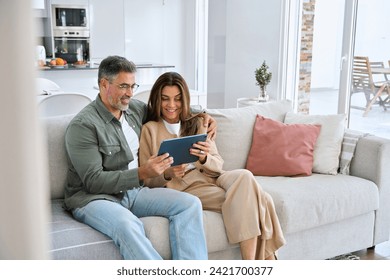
{"points": [[201, 170]]}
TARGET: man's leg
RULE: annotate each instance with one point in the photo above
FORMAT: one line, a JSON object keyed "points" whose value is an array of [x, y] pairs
{"points": [[121, 225], [184, 212]]}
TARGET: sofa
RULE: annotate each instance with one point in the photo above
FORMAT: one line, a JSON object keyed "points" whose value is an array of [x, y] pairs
{"points": [[322, 215]]}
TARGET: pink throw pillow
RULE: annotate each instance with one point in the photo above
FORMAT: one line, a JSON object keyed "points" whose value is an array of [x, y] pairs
{"points": [[280, 149]]}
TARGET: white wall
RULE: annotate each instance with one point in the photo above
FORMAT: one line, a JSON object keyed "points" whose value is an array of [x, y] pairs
{"points": [[252, 35]]}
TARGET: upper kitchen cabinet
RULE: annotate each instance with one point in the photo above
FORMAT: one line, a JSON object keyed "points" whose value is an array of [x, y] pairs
{"points": [[38, 4], [144, 30], [107, 29], [41, 8], [161, 31]]}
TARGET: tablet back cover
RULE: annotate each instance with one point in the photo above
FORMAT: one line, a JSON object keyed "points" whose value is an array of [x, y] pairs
{"points": [[179, 148]]}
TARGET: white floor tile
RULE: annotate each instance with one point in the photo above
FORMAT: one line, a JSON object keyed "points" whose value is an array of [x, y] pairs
{"points": [[376, 122]]}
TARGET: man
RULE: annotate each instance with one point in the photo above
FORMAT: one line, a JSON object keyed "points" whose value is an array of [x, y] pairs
{"points": [[105, 185]]}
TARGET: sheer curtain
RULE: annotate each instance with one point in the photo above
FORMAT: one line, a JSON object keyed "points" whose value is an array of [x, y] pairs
{"points": [[24, 193]]}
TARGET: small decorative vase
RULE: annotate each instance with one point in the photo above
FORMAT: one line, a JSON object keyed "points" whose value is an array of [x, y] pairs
{"points": [[263, 96]]}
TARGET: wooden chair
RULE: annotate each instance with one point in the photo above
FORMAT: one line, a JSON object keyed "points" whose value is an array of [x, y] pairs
{"points": [[362, 81], [378, 83]]}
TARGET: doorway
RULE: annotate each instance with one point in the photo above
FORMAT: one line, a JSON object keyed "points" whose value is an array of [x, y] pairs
{"points": [[341, 30], [372, 40]]}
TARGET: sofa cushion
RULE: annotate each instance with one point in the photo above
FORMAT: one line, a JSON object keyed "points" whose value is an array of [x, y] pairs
{"points": [[328, 146], [307, 202], [71, 239], [55, 128], [350, 139], [235, 128], [280, 149]]}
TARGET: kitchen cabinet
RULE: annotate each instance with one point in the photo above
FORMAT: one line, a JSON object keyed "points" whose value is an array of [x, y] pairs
{"points": [[152, 32], [41, 8], [38, 4], [144, 30], [107, 27]]}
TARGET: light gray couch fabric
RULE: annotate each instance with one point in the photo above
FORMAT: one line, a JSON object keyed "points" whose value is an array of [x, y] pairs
{"points": [[321, 215], [335, 198]]}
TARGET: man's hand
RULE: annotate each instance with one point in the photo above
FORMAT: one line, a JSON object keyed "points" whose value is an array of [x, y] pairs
{"points": [[211, 125], [155, 166]]}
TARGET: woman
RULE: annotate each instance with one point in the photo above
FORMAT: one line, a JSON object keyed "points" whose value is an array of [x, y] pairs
{"points": [[248, 212]]}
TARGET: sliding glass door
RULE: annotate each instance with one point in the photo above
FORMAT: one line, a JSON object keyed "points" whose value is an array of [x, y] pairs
{"points": [[343, 29], [327, 53], [372, 42]]}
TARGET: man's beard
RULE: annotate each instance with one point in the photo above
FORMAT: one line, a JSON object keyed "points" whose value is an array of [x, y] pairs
{"points": [[117, 105]]}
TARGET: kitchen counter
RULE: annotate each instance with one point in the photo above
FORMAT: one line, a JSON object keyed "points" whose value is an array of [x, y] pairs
{"points": [[95, 66], [84, 80]]}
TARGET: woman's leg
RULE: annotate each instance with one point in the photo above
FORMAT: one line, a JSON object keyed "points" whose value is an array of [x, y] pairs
{"points": [[249, 212], [117, 222], [248, 248], [184, 212], [211, 196]]}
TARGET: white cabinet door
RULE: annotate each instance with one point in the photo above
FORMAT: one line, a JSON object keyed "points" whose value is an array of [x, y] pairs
{"points": [[144, 31], [107, 29], [38, 4]]}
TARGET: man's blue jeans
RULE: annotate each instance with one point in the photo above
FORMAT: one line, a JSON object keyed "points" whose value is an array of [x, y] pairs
{"points": [[121, 222]]}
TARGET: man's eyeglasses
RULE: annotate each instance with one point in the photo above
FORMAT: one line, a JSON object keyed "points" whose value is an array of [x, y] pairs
{"points": [[126, 87]]}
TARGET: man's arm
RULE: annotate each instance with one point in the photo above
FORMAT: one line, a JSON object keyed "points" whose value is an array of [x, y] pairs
{"points": [[87, 159], [211, 125]]}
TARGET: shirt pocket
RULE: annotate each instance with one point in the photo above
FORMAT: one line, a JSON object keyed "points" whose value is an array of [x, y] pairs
{"points": [[110, 156]]}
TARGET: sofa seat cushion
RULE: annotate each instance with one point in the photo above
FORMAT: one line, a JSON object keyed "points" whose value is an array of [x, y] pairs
{"points": [[307, 202], [157, 228], [71, 239]]}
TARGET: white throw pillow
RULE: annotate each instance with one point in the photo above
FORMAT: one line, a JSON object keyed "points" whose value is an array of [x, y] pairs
{"points": [[235, 129], [328, 146]]}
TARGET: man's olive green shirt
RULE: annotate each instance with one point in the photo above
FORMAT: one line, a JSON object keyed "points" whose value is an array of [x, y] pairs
{"points": [[98, 154]]}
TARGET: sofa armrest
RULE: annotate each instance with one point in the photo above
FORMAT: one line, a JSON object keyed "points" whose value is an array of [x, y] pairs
{"points": [[372, 162]]}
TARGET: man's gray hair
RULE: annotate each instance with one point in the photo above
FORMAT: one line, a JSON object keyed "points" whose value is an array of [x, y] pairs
{"points": [[111, 66]]}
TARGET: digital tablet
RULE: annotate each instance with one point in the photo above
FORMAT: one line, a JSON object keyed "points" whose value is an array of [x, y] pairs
{"points": [[179, 148]]}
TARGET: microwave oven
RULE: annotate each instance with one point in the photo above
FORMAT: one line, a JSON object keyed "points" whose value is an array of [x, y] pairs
{"points": [[70, 21]]}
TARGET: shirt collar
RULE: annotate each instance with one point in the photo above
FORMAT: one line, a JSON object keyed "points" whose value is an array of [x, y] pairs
{"points": [[107, 115]]}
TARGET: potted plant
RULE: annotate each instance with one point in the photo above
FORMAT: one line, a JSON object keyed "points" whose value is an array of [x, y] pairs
{"points": [[263, 78]]}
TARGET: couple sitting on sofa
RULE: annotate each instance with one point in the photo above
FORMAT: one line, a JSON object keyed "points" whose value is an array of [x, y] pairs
{"points": [[105, 184]]}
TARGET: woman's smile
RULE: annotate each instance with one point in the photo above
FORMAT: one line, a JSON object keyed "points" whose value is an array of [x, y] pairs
{"points": [[171, 102]]}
